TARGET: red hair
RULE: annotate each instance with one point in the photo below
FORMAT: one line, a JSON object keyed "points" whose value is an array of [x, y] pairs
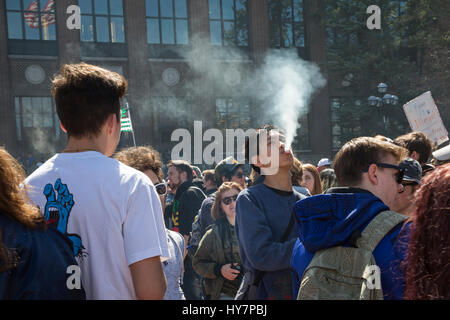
{"points": [[428, 268]]}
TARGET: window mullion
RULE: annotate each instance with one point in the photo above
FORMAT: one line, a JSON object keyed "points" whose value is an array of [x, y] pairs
{"points": [[174, 23], [22, 18], [40, 21], [109, 20], [94, 21], [160, 23]]}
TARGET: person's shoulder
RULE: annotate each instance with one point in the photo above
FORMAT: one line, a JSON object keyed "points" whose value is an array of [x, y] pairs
{"points": [[176, 237], [12, 229], [132, 176], [41, 171]]}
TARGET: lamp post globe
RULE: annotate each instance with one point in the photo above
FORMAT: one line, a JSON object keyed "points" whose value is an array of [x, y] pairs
{"points": [[372, 101], [382, 87]]}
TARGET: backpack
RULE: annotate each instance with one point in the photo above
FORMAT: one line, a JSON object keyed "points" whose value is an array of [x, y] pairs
{"points": [[349, 273]]}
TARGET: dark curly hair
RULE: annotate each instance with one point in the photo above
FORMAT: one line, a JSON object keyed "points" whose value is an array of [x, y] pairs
{"points": [[428, 263]]}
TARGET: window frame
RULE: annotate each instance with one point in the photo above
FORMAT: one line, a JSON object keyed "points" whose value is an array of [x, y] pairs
{"points": [[19, 121], [227, 99], [291, 22], [174, 22], [22, 12], [109, 15], [222, 21]]}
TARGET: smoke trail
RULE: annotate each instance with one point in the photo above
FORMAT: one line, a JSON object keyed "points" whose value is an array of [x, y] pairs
{"points": [[284, 85]]}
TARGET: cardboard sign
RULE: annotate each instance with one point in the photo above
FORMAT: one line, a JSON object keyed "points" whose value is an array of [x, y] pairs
{"points": [[423, 116]]}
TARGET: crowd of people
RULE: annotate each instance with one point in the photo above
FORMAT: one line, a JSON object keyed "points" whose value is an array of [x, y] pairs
{"points": [[370, 224]]}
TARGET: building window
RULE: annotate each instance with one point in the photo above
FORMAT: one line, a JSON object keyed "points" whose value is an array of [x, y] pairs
{"points": [[102, 21], [31, 20], [167, 22], [36, 113], [228, 22], [233, 113], [287, 28], [347, 116], [301, 141]]}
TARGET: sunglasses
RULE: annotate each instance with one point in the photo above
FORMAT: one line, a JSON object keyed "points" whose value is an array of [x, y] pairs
{"points": [[399, 175], [227, 200], [161, 188]]}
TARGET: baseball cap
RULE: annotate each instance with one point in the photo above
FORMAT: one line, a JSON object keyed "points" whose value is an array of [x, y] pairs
{"points": [[442, 154], [324, 162], [412, 170], [226, 167]]}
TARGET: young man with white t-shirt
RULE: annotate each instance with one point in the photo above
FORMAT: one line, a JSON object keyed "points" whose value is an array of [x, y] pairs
{"points": [[109, 211]]}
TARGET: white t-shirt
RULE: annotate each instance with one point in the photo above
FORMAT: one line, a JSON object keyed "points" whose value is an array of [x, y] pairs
{"points": [[110, 212]]}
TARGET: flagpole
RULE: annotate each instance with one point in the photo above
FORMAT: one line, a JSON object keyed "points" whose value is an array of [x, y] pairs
{"points": [[132, 130]]}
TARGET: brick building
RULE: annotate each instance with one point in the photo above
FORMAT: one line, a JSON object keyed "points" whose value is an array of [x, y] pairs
{"points": [[173, 54]]}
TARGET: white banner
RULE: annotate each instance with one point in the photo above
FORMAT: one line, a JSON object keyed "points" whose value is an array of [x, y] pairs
{"points": [[423, 115]]}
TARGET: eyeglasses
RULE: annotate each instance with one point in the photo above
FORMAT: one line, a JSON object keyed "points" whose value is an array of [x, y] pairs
{"points": [[227, 200], [409, 183], [161, 188], [399, 175]]}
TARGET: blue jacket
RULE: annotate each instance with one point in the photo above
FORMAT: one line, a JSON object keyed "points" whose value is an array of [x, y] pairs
{"points": [[328, 220], [41, 271]]}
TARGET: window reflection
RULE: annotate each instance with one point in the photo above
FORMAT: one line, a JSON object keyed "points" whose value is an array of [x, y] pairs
{"points": [[31, 19], [233, 113], [286, 23], [102, 21], [228, 22], [167, 22], [36, 113]]}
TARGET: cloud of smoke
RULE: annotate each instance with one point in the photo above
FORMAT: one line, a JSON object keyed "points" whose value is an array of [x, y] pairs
{"points": [[283, 85]]}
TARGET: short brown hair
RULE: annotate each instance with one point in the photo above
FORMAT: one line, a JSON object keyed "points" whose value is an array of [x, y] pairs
{"points": [[358, 154], [216, 209], [142, 159], [208, 175], [85, 96], [416, 141], [182, 166]]}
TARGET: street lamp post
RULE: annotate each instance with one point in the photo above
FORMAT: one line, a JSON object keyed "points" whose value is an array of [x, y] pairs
{"points": [[388, 99]]}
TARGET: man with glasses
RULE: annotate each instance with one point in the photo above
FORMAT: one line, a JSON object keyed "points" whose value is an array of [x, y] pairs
{"points": [[187, 202], [404, 202], [369, 178]]}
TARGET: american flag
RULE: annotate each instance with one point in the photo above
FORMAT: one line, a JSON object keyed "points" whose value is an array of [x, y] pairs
{"points": [[47, 14]]}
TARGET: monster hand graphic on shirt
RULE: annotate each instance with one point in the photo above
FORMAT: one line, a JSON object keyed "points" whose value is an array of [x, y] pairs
{"points": [[57, 211]]}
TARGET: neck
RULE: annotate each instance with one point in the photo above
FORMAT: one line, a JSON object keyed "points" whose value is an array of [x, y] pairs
{"points": [[280, 181], [85, 144]]}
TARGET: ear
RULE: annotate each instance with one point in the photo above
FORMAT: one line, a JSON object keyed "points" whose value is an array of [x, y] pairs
{"points": [[110, 122], [415, 155], [62, 127], [372, 174]]}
